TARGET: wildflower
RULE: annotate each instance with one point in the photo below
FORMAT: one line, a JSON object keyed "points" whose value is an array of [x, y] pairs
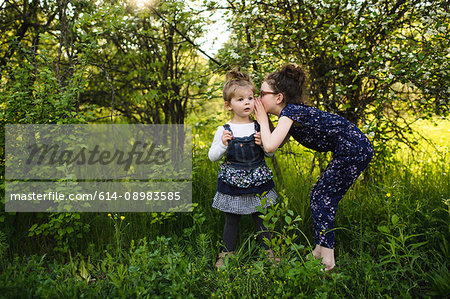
{"points": [[234, 55], [122, 217], [109, 215], [388, 195]]}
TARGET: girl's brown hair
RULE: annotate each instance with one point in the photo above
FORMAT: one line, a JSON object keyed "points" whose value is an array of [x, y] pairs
{"points": [[234, 79], [290, 80]]}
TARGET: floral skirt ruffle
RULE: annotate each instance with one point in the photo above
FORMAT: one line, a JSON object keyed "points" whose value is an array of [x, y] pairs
{"points": [[242, 204], [244, 178]]}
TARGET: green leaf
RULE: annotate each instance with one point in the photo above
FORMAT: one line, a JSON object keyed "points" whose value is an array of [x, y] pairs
{"points": [[288, 219], [384, 229], [394, 219]]}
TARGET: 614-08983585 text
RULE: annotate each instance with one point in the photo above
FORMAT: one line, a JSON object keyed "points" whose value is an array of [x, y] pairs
{"points": [[141, 195]]}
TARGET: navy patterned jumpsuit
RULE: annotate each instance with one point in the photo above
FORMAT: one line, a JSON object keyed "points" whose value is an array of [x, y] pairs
{"points": [[352, 151]]}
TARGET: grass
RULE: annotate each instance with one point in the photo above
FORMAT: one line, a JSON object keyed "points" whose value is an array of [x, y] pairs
{"points": [[392, 232]]}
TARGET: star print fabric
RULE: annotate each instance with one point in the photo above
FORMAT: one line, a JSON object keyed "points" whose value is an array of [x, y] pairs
{"points": [[352, 152]]}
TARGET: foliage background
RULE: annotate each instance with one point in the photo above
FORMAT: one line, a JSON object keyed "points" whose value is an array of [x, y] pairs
{"points": [[384, 65]]}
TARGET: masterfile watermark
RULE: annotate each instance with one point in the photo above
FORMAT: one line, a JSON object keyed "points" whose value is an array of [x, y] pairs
{"points": [[114, 168], [52, 152], [73, 196], [141, 153]]}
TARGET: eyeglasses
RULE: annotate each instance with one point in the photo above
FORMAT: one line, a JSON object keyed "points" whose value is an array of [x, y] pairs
{"points": [[263, 93]]}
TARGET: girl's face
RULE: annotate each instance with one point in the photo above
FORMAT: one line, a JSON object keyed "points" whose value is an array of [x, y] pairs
{"points": [[242, 103], [268, 97]]}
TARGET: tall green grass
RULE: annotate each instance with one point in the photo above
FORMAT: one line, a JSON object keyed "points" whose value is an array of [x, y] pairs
{"points": [[392, 231]]}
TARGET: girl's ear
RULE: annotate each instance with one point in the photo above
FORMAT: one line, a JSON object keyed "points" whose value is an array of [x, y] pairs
{"points": [[280, 98], [227, 105]]}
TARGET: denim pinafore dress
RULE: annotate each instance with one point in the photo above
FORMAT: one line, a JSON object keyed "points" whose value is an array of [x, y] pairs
{"points": [[243, 152], [243, 176], [244, 169]]}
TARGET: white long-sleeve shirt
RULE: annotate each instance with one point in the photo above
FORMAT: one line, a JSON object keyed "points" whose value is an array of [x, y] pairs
{"points": [[218, 149]]}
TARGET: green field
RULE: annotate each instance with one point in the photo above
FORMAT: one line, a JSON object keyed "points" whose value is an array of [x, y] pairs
{"points": [[392, 233]]}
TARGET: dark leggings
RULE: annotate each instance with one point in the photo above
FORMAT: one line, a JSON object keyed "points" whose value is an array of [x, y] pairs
{"points": [[230, 231]]}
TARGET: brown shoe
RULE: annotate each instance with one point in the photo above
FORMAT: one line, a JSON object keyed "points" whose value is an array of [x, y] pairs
{"points": [[274, 259], [222, 255]]}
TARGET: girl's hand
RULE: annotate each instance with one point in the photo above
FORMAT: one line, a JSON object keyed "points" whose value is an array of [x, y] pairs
{"points": [[226, 136], [258, 140], [260, 112]]}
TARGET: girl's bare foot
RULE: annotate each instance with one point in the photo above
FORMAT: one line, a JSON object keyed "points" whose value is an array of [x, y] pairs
{"points": [[327, 255], [317, 252]]}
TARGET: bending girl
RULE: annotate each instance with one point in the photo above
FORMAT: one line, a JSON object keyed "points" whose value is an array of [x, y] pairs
{"points": [[281, 94]]}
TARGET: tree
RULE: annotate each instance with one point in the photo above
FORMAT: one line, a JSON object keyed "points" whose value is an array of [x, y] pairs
{"points": [[40, 72], [64, 61], [369, 61], [145, 68]]}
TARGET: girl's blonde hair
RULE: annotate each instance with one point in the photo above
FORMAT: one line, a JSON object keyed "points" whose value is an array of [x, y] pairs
{"points": [[234, 79]]}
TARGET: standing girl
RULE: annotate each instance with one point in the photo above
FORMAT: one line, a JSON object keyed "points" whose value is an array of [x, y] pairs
{"points": [[244, 175], [281, 94]]}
